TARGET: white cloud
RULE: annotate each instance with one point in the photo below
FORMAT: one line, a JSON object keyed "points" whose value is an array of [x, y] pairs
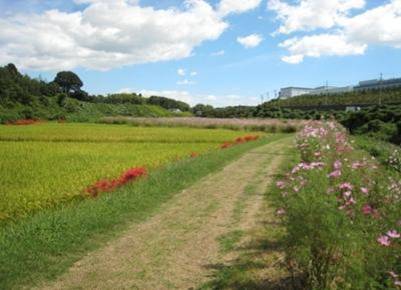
{"points": [[185, 82], [293, 59], [193, 74], [181, 72], [226, 7], [107, 34], [320, 45], [218, 53], [381, 25], [193, 99], [345, 34], [308, 15], [250, 41]]}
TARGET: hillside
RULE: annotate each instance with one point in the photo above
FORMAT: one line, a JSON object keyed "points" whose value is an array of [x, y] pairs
{"points": [[363, 98], [22, 97]]}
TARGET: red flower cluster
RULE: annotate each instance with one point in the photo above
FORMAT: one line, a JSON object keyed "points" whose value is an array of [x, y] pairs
{"points": [[194, 154], [23, 122], [239, 140], [106, 185]]}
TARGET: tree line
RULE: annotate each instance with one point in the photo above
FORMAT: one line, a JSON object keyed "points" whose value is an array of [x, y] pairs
{"points": [[18, 88]]}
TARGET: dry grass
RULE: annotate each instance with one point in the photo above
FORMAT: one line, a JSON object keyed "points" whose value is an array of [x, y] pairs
{"points": [[266, 125]]}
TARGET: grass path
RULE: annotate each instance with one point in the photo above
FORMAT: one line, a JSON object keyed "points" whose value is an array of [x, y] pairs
{"points": [[177, 248]]}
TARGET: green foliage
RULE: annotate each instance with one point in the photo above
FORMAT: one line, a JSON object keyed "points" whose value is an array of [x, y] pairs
{"points": [[381, 122], [386, 153], [68, 81], [23, 97], [169, 104], [369, 97]]}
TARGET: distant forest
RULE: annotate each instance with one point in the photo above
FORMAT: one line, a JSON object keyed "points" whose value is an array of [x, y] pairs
{"points": [[22, 97]]}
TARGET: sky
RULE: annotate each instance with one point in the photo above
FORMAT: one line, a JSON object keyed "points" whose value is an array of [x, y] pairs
{"points": [[218, 52]]}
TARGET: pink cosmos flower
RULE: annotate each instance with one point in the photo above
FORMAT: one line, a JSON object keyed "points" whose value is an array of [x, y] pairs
{"points": [[346, 186], [393, 234], [351, 201], [335, 174], [337, 165], [347, 194], [397, 283], [392, 274], [367, 209], [384, 241], [280, 184], [364, 190], [280, 212]]}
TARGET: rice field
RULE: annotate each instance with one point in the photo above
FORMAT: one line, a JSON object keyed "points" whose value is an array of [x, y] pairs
{"points": [[45, 164]]}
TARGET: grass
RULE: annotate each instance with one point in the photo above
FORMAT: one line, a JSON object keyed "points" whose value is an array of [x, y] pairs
{"points": [[258, 259], [228, 241], [61, 160], [46, 244], [381, 150]]}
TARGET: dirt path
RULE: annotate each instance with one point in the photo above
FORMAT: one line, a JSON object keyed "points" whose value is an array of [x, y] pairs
{"points": [[173, 249]]}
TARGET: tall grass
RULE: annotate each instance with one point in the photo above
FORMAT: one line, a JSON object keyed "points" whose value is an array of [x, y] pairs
{"points": [[264, 125]]}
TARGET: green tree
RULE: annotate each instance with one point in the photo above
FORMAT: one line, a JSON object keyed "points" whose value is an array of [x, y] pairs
{"points": [[69, 82]]}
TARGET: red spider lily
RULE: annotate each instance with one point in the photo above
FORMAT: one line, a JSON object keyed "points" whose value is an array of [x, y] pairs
{"points": [[23, 122], [109, 185], [239, 140], [251, 138], [132, 174], [226, 145], [194, 154]]}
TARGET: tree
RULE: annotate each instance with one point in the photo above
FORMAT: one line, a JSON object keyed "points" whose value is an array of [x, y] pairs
{"points": [[12, 69], [68, 81], [201, 110]]}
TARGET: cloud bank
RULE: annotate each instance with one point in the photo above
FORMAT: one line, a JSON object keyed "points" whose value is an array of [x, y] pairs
{"points": [[107, 34], [346, 30]]}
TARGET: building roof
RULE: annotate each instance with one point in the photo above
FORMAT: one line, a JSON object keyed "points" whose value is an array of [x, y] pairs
{"points": [[297, 88]]}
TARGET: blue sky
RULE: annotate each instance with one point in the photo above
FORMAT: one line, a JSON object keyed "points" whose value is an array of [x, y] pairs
{"points": [[353, 40]]}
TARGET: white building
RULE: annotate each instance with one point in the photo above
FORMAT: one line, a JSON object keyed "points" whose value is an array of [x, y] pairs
{"points": [[378, 84], [331, 90], [290, 92]]}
